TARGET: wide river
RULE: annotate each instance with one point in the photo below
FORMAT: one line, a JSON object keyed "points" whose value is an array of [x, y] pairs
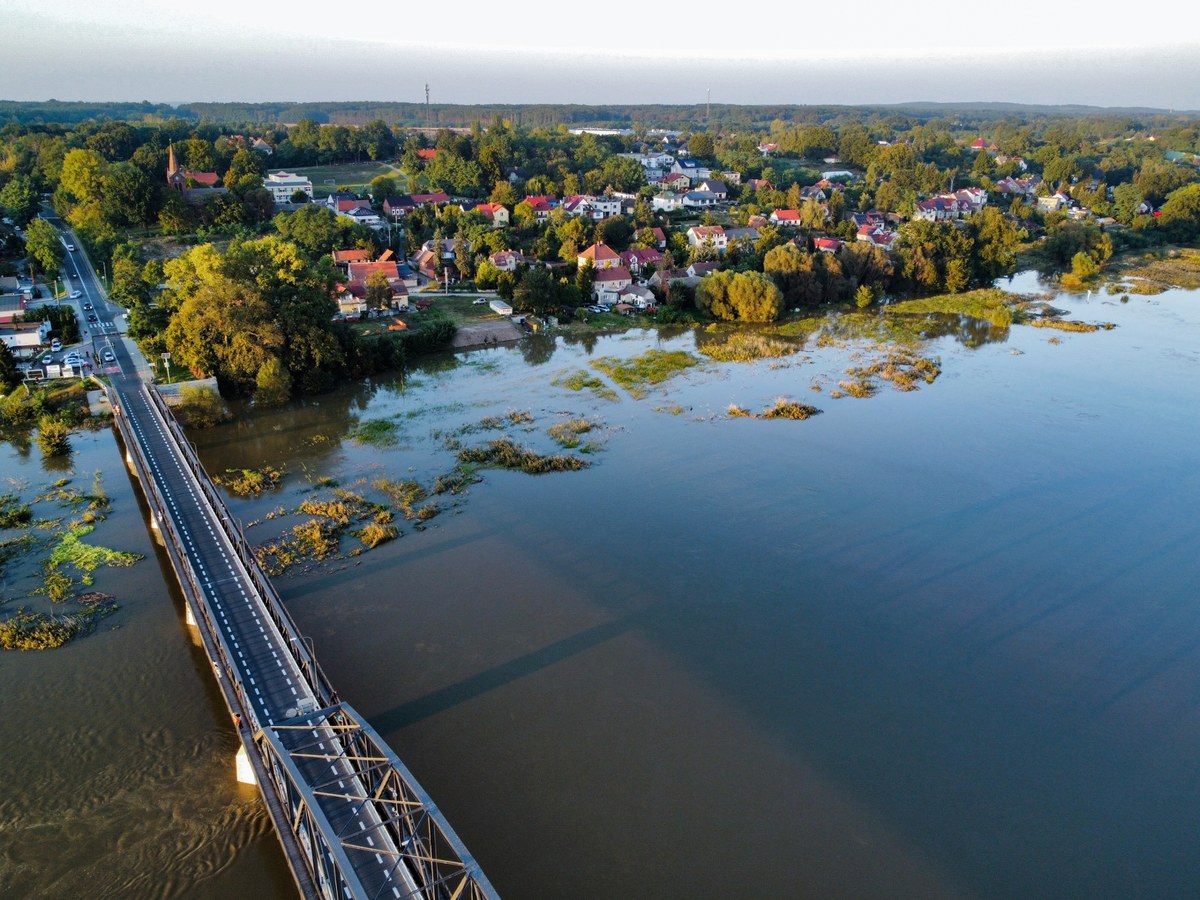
{"points": [[933, 644]]}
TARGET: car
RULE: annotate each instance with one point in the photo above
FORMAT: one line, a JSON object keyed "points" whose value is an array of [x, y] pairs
{"points": [[92, 317], [47, 358], [109, 356], [71, 247], [479, 301], [56, 345], [87, 306], [75, 295]]}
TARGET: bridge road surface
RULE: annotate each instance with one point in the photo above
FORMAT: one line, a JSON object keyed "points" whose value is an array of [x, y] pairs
{"points": [[269, 676]]}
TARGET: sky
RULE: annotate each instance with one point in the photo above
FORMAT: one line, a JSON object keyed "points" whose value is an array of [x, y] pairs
{"points": [[617, 51]]}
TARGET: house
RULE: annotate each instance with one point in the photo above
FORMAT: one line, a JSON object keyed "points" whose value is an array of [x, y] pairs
{"points": [[700, 269], [283, 185], [601, 257], [542, 205], [766, 148], [508, 260], [427, 154], [664, 277], [637, 259], [610, 282], [638, 296], [668, 201], [660, 238], [760, 184], [397, 208], [708, 236], [827, 245], [715, 187], [493, 212], [699, 200], [340, 201], [675, 181], [262, 146], [938, 209], [786, 217], [813, 192], [362, 215], [592, 207], [691, 169], [25, 339], [358, 274], [342, 258], [1054, 202], [11, 306], [876, 235], [838, 175], [745, 236]]}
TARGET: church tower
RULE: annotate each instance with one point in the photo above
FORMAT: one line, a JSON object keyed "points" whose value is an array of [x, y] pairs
{"points": [[176, 179]]}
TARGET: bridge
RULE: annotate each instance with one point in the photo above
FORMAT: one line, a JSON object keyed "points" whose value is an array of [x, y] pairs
{"points": [[353, 821]]}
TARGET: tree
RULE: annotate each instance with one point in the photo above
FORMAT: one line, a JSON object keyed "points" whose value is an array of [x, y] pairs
{"points": [[995, 237], [585, 278], [20, 199], [273, 383], [1181, 212], [536, 291], [316, 228], [935, 256], [379, 291], [245, 172], [43, 247], [382, 187], [10, 375], [742, 296], [701, 146], [300, 196]]}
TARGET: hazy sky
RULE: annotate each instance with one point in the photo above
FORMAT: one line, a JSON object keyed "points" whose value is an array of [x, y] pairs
{"points": [[618, 51]]}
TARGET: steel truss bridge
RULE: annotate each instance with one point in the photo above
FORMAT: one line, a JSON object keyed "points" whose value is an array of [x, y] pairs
{"points": [[353, 821]]}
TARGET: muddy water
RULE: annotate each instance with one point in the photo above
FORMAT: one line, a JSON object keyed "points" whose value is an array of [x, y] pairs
{"points": [[936, 644]]}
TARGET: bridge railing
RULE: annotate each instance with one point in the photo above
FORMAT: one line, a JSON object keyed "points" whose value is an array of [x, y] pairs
{"points": [[428, 854], [297, 644]]}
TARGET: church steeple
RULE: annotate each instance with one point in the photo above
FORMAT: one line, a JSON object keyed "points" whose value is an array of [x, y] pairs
{"points": [[175, 178], [172, 168]]}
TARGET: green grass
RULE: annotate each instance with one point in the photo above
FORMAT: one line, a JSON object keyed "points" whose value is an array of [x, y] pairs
{"points": [[581, 380], [652, 367], [349, 176], [990, 304], [375, 432]]}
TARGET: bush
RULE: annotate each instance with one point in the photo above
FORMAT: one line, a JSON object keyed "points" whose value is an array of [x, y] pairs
{"points": [[54, 436], [202, 407]]}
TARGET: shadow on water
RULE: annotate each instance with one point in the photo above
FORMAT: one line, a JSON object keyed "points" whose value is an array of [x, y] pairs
{"points": [[498, 676]]}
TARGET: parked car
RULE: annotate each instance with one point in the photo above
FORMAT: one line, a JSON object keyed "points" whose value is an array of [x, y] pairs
{"points": [[47, 358], [56, 345]]}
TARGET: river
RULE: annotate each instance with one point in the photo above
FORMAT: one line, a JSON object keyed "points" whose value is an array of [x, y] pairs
{"points": [[930, 644]]}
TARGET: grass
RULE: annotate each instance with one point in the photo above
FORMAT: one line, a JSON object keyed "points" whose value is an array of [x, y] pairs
{"points": [[249, 482], [652, 367], [348, 176], [375, 432], [503, 453], [43, 631], [568, 434], [782, 408], [747, 346], [1068, 325], [990, 304], [580, 380], [1177, 267]]}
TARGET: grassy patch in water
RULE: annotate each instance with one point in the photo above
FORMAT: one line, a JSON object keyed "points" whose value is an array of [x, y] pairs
{"points": [[990, 304], [14, 512], [1068, 325], [27, 630], [746, 346], [580, 380], [375, 432], [653, 367], [505, 454], [568, 434], [249, 482], [84, 558], [782, 408], [1178, 267]]}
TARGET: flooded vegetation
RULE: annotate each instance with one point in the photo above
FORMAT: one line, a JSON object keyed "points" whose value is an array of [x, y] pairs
{"points": [[637, 374]]}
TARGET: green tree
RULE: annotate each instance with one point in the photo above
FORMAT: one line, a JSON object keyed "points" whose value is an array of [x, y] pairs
{"points": [[585, 278], [382, 187], [43, 247], [741, 296], [379, 292], [1181, 212], [20, 199], [10, 375], [996, 238], [701, 146], [536, 291], [273, 383], [245, 172]]}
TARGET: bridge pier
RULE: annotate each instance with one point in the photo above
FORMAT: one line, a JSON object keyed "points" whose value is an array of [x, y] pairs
{"points": [[245, 771], [188, 615]]}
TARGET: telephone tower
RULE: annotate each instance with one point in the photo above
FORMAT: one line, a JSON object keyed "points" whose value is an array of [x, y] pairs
{"points": [[427, 120]]}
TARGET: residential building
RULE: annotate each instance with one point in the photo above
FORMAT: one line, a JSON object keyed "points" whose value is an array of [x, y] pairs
{"points": [[708, 236], [283, 185], [601, 257]]}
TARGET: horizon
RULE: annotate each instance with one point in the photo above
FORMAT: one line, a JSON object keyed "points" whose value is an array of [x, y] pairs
{"points": [[130, 52]]}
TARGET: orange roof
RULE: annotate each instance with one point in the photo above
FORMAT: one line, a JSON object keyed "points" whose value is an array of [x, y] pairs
{"points": [[599, 252], [355, 255]]}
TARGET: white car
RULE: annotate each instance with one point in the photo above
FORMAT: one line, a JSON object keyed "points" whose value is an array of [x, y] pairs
{"points": [[55, 345], [75, 295]]}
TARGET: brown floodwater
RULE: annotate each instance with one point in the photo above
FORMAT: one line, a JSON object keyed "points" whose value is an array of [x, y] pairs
{"points": [[929, 644]]}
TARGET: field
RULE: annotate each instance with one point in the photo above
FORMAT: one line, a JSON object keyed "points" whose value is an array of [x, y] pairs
{"points": [[349, 177]]}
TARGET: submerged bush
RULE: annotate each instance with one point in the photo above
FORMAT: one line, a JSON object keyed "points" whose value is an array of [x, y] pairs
{"points": [[505, 454]]}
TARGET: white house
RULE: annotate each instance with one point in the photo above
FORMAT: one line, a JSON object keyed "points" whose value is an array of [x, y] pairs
{"points": [[699, 200], [25, 339], [283, 184], [668, 201], [363, 215], [708, 235]]}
